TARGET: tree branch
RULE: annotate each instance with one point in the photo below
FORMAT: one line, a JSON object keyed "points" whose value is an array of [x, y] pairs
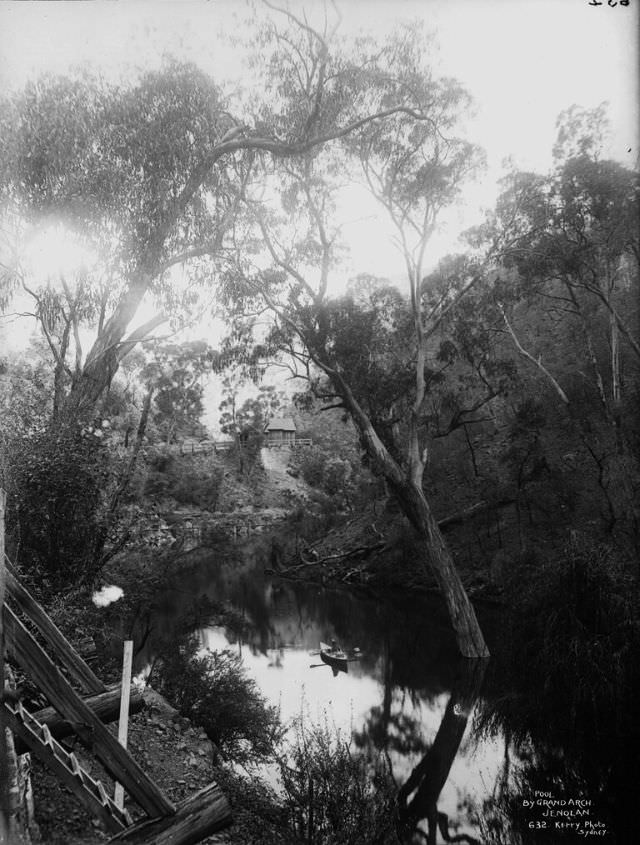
{"points": [[536, 361], [126, 345]]}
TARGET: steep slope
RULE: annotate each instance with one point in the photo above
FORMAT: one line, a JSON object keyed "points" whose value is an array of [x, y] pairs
{"points": [[275, 463]]}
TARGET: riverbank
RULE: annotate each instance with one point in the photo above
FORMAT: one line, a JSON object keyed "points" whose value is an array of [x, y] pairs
{"points": [[374, 546], [374, 550], [273, 627], [173, 751], [377, 549]]}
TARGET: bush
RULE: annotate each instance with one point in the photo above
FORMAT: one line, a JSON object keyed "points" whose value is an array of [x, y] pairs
{"points": [[190, 481], [341, 478], [576, 629], [57, 501], [214, 691], [334, 796]]}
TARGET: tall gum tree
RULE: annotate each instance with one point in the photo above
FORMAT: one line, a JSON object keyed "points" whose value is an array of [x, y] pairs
{"points": [[152, 173], [415, 169], [569, 240]]}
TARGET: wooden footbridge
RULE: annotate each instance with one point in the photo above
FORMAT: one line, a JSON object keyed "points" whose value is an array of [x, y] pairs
{"points": [[80, 714]]}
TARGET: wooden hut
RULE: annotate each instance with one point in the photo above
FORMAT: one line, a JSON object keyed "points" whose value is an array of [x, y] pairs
{"points": [[280, 431]]}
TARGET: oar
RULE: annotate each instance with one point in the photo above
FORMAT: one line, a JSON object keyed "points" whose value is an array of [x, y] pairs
{"points": [[342, 660]]}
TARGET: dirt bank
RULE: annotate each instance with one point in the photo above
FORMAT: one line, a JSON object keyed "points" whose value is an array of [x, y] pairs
{"points": [[176, 754]]}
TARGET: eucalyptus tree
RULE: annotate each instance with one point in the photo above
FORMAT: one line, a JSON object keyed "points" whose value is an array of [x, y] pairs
{"points": [[415, 168], [570, 301], [572, 237], [151, 173], [174, 373]]}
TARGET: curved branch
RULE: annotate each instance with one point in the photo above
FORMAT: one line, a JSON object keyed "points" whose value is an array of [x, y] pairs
{"points": [[536, 361], [125, 346], [277, 148], [59, 358]]}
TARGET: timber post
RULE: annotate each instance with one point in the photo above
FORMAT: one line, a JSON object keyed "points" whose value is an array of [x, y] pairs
{"points": [[204, 813], [123, 724]]}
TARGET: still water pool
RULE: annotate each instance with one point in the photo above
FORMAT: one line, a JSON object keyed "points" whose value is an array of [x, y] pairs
{"points": [[463, 749]]}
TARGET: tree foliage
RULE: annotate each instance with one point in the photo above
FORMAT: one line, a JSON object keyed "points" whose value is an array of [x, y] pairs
{"points": [[568, 242], [174, 372], [58, 486], [214, 691], [152, 172], [415, 167]]}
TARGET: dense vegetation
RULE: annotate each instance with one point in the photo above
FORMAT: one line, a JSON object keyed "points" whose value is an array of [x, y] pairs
{"points": [[511, 369], [491, 402]]}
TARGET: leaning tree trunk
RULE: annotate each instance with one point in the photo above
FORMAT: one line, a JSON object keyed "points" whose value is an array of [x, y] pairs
{"points": [[438, 559], [436, 555], [111, 345]]}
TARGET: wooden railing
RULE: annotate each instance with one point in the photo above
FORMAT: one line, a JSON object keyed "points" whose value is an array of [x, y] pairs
{"points": [[289, 444], [206, 447]]}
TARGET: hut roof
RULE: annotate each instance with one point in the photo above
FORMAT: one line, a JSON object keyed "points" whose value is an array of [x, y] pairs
{"points": [[280, 424]]}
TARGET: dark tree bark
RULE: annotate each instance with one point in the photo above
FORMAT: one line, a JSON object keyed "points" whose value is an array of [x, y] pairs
{"points": [[410, 496]]}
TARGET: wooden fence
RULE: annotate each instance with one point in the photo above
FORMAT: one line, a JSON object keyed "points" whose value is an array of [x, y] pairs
{"points": [[209, 447], [205, 447], [289, 444]]}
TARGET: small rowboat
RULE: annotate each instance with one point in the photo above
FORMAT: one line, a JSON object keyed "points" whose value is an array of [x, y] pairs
{"points": [[334, 656]]}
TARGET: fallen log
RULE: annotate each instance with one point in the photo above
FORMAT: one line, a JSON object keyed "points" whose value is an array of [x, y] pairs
{"points": [[197, 817], [337, 558], [106, 706]]}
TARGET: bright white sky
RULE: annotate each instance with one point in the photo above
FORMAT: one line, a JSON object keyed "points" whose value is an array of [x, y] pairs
{"points": [[523, 61]]}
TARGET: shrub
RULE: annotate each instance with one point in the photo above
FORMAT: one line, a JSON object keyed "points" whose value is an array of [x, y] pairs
{"points": [[576, 629], [214, 691], [334, 796], [190, 481], [57, 501], [339, 477]]}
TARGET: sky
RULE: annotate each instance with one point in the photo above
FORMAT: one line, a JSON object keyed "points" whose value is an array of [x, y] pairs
{"points": [[523, 61]]}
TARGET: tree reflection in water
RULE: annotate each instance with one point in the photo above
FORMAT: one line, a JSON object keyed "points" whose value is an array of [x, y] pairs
{"points": [[558, 695], [418, 797], [399, 733]]}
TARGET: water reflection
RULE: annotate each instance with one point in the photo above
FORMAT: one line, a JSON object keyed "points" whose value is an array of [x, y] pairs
{"points": [[464, 749], [419, 795], [397, 698]]}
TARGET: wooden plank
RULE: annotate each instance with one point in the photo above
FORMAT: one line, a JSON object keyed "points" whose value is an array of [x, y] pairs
{"points": [[197, 817], [123, 724], [5, 803], [21, 811], [59, 644], [92, 733], [106, 706], [75, 784]]}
